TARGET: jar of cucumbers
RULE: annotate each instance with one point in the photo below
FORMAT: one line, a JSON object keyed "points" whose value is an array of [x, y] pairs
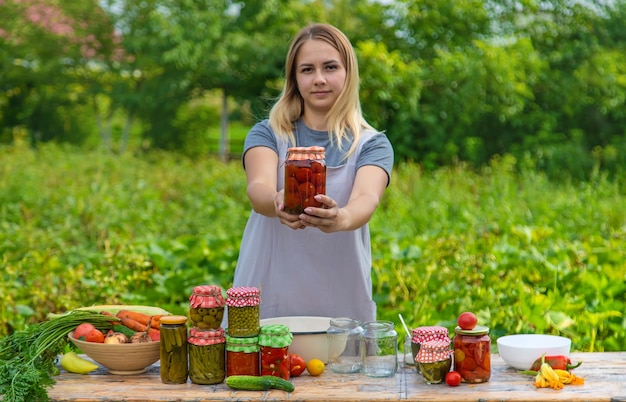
{"points": [[173, 349], [206, 307], [207, 356], [244, 318]]}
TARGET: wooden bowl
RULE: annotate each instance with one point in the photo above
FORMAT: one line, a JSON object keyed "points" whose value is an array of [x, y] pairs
{"points": [[126, 358], [122, 359]]}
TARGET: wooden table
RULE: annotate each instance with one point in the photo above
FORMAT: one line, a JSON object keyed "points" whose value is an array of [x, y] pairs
{"points": [[604, 374]]}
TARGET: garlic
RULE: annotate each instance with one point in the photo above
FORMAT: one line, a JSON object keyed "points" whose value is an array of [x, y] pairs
{"points": [[140, 337], [115, 337]]}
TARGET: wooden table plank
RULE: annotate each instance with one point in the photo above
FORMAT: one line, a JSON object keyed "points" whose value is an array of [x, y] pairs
{"points": [[604, 373]]}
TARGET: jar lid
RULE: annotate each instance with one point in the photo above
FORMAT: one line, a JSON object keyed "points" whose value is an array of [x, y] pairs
{"points": [[304, 153], [206, 337], [434, 351], [245, 345], [173, 319], [206, 296], [429, 333], [476, 331], [242, 341], [275, 335], [243, 296]]}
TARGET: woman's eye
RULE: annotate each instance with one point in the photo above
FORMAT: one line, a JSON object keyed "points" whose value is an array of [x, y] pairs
{"points": [[331, 67]]}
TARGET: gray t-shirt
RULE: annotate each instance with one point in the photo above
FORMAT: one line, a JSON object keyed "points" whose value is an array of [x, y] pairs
{"points": [[377, 151]]}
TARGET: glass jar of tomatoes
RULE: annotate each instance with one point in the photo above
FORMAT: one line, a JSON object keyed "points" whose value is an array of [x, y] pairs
{"points": [[242, 356], [207, 363], [305, 176], [434, 360], [244, 315], [206, 307], [472, 354], [274, 341], [424, 334]]}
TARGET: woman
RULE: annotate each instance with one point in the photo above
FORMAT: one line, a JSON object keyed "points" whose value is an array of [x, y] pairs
{"points": [[319, 262]]}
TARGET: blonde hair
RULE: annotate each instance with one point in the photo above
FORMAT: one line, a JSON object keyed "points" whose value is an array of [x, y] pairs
{"points": [[345, 118]]}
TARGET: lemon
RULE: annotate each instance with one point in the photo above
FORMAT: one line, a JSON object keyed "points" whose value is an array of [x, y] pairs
{"points": [[315, 367], [76, 364]]}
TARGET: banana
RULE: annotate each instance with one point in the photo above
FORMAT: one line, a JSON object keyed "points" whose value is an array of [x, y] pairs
{"points": [[76, 364]]}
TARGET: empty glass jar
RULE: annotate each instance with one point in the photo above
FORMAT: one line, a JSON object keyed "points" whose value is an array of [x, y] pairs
{"points": [[344, 342], [379, 349]]}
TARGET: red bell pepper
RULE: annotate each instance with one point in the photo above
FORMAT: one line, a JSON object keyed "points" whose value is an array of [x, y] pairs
{"points": [[556, 362]]}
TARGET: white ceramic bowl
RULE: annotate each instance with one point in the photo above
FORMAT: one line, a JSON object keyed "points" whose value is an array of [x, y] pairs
{"points": [[520, 351], [309, 335]]}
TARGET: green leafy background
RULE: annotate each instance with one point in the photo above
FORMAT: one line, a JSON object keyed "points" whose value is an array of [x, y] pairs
{"points": [[526, 254]]}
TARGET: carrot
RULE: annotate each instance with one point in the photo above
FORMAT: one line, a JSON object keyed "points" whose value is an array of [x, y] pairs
{"points": [[141, 317], [136, 326], [133, 324]]}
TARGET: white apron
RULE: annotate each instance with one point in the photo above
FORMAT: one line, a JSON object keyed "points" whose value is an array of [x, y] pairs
{"points": [[307, 271]]}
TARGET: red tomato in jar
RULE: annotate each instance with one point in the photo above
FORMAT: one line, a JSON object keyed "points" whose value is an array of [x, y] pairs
{"points": [[453, 378], [307, 190], [291, 170], [95, 336], [317, 167], [303, 174], [318, 179], [298, 364], [291, 184], [82, 330]]}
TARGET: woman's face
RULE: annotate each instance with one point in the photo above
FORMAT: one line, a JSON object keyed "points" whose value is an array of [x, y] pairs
{"points": [[320, 75]]}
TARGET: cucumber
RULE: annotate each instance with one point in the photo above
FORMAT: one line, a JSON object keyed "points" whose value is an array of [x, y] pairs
{"points": [[258, 383]]}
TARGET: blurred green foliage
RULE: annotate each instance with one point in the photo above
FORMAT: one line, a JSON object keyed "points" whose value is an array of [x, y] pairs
{"points": [[525, 253]]}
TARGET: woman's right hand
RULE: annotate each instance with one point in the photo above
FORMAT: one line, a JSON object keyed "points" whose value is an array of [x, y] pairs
{"points": [[292, 221]]}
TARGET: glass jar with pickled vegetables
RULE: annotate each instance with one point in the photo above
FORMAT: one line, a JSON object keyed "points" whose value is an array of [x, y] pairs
{"points": [[472, 354], [435, 360], [206, 307], [274, 341], [305, 176], [244, 313], [173, 349], [423, 334], [242, 356], [207, 364]]}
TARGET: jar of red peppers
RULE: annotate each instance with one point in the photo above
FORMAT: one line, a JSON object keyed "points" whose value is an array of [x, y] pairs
{"points": [[472, 354], [206, 356], [206, 307], [426, 334], [242, 356], [305, 176], [244, 315], [274, 341]]}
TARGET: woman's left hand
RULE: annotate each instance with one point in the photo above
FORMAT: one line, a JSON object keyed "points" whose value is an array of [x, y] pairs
{"points": [[325, 219]]}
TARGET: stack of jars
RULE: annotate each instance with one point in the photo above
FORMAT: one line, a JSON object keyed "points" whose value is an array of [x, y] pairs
{"points": [[207, 340], [425, 334], [242, 338]]}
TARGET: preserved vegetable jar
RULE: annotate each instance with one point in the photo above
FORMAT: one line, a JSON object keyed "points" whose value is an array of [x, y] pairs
{"points": [[435, 360], [244, 317], [173, 349], [206, 307], [207, 363], [379, 349], [344, 343], [305, 176], [472, 354], [426, 334], [274, 341], [242, 356]]}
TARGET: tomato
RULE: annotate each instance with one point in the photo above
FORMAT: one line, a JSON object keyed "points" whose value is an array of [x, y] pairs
{"points": [[303, 175], [82, 330], [453, 378], [317, 167], [467, 320], [306, 190], [298, 364], [95, 336]]}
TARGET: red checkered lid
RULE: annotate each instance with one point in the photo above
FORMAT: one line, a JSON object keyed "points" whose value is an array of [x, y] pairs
{"points": [[306, 153], [429, 333], [243, 296], [206, 296], [434, 351], [206, 337]]}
